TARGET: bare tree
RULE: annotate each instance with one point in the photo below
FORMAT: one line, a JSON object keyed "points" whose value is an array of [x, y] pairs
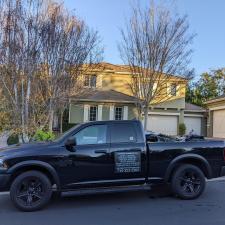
{"points": [[68, 45], [19, 47], [156, 45], [43, 50]]}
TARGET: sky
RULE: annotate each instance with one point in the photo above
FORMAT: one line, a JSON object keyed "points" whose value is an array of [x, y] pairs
{"points": [[206, 18]]}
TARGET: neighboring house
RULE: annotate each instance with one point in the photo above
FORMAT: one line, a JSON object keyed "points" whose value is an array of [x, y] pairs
{"points": [[108, 96], [216, 117]]}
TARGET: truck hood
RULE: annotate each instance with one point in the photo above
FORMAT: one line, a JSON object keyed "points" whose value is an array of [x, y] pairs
{"points": [[22, 148]]}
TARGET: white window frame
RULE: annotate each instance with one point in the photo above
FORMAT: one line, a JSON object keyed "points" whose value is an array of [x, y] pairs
{"points": [[173, 85], [86, 113], [125, 113], [89, 77], [169, 89], [89, 113], [100, 112], [115, 112], [111, 112]]}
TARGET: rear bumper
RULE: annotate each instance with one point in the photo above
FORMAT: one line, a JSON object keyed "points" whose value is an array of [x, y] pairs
{"points": [[222, 173], [4, 182]]}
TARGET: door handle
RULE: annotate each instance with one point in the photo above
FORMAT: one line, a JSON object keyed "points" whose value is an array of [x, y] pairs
{"points": [[101, 151]]}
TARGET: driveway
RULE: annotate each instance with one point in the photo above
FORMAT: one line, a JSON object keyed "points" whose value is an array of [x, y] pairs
{"points": [[124, 209]]}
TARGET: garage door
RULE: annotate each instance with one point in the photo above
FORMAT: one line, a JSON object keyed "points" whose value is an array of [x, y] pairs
{"points": [[219, 123], [163, 124], [193, 123]]}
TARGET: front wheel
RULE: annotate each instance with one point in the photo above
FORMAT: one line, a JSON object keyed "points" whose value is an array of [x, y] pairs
{"points": [[188, 182], [31, 191]]}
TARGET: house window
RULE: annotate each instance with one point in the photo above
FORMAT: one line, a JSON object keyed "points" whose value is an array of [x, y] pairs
{"points": [[93, 113], [90, 81], [173, 89], [118, 113]]}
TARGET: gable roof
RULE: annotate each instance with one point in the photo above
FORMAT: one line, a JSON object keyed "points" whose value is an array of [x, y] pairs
{"points": [[115, 67], [192, 107], [95, 95]]}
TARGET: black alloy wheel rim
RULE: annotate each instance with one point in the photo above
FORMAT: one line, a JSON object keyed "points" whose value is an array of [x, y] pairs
{"points": [[30, 192], [190, 182]]}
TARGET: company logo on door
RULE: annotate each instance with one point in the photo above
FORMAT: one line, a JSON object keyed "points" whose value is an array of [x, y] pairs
{"points": [[127, 162]]}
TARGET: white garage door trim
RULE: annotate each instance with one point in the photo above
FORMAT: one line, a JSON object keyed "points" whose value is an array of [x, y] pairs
{"points": [[192, 115], [164, 113], [219, 123]]}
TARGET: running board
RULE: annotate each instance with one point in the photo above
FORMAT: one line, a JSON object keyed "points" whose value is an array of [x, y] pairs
{"points": [[106, 190]]}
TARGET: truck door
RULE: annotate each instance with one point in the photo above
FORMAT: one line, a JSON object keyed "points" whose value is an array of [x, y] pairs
{"points": [[90, 157], [128, 154]]}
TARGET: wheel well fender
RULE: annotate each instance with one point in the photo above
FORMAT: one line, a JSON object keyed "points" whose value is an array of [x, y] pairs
{"points": [[41, 166], [193, 159]]}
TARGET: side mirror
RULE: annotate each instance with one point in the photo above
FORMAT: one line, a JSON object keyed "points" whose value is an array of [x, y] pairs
{"points": [[70, 143]]}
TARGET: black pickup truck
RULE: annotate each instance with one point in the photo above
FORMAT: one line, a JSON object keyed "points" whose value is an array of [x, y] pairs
{"points": [[106, 155]]}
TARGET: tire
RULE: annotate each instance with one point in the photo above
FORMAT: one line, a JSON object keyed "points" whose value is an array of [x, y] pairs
{"points": [[188, 182], [31, 191]]}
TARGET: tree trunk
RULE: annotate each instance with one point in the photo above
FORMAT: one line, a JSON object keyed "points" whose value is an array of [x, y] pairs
{"points": [[61, 122], [51, 118], [27, 99], [22, 113], [25, 137], [145, 118]]}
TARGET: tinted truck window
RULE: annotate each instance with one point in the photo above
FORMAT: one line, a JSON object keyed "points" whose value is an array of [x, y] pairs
{"points": [[123, 132], [95, 134]]}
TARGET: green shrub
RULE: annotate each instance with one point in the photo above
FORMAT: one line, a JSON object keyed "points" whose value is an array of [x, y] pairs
{"points": [[182, 129], [41, 135], [13, 139]]}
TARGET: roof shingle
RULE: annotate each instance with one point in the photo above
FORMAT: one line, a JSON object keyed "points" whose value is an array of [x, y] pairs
{"points": [[104, 96], [192, 107]]}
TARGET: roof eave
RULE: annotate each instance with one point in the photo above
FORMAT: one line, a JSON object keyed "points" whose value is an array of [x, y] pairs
{"points": [[215, 100], [103, 101]]}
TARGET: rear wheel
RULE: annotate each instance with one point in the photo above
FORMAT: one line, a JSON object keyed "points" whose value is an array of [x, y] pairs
{"points": [[188, 182], [31, 191]]}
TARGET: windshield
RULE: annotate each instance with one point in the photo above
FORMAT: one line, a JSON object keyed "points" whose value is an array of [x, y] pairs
{"points": [[62, 136]]}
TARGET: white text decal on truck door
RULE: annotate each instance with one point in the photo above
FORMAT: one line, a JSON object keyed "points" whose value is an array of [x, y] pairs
{"points": [[127, 162]]}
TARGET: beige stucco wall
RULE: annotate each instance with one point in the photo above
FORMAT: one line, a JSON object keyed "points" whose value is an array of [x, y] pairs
{"points": [[122, 81], [178, 103], [76, 112]]}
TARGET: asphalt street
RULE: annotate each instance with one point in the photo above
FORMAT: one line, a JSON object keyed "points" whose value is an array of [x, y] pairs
{"points": [[135, 208]]}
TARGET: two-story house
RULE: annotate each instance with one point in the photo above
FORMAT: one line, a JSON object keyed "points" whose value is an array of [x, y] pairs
{"points": [[108, 96]]}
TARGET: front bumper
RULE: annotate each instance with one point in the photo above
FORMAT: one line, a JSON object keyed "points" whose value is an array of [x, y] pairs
{"points": [[4, 182], [222, 172]]}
